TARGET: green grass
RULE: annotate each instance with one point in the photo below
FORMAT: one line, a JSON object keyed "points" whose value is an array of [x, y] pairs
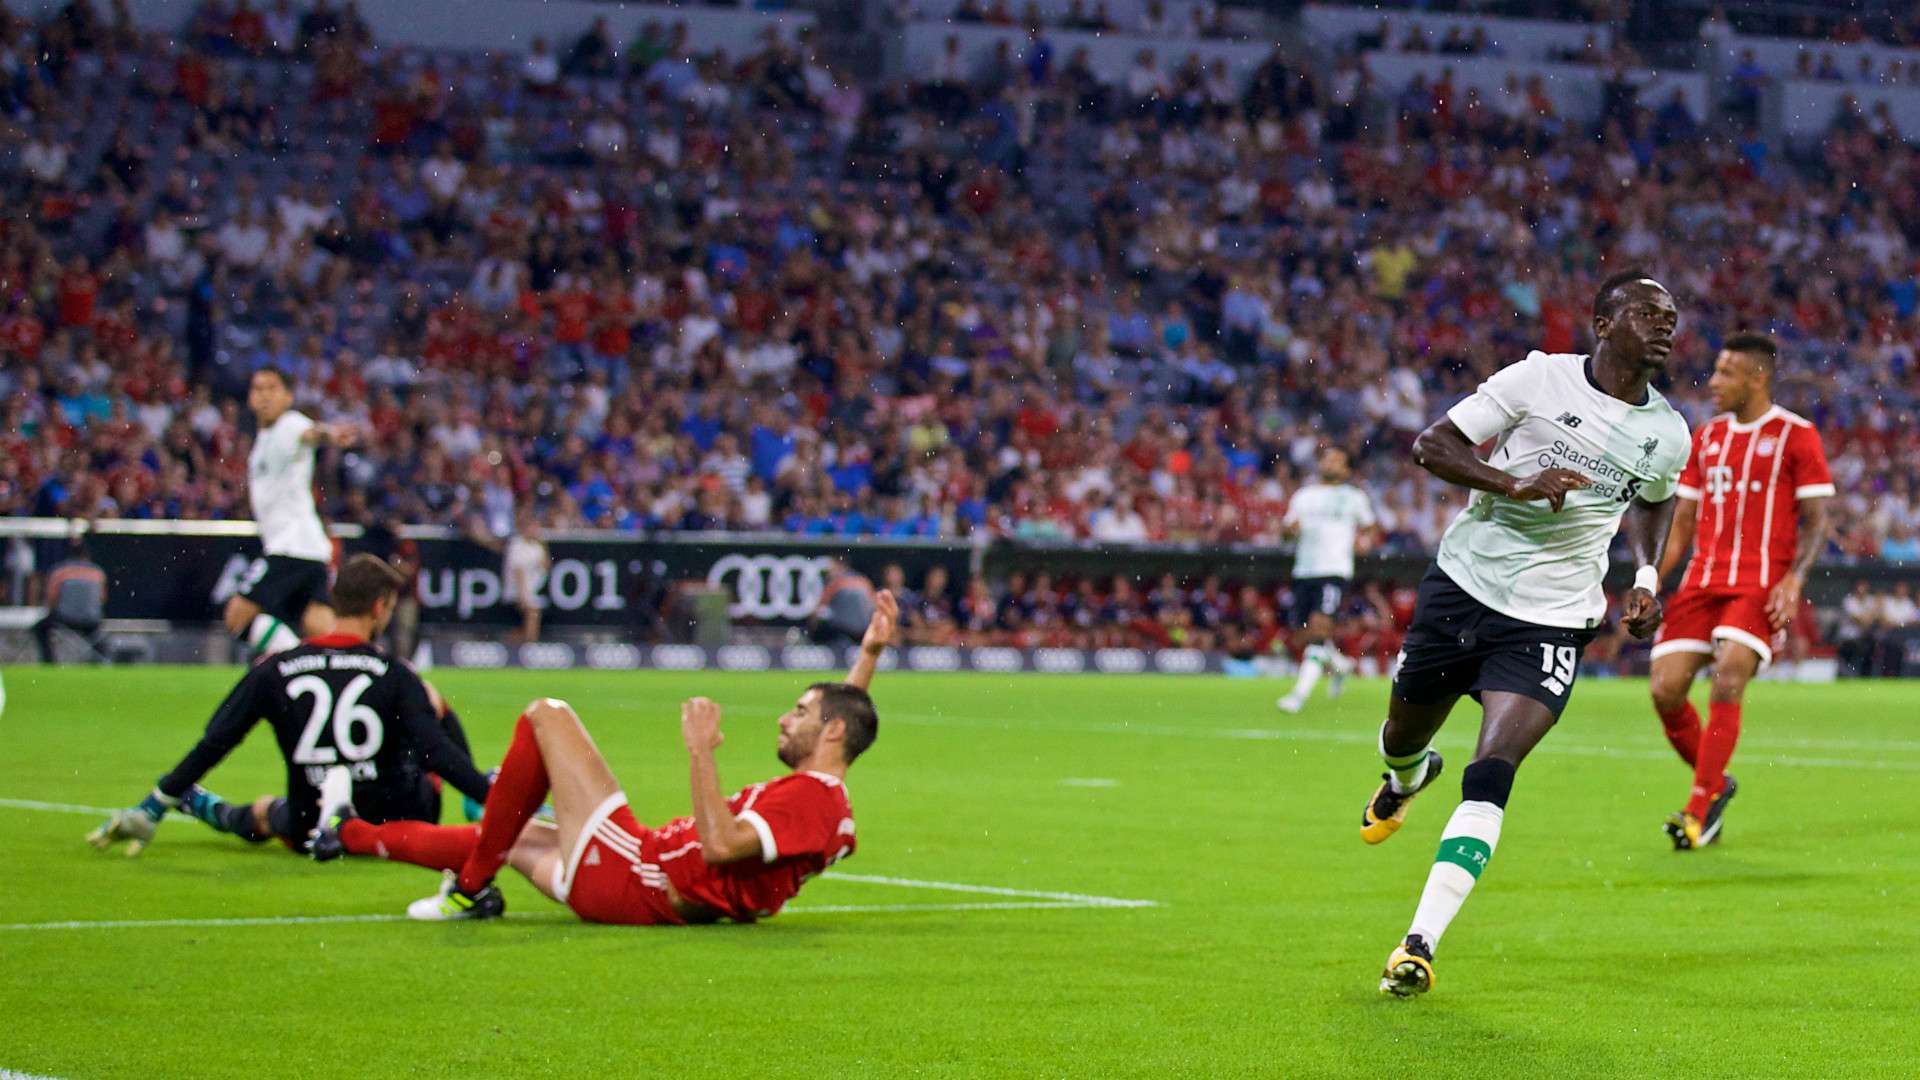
{"points": [[1589, 948]]}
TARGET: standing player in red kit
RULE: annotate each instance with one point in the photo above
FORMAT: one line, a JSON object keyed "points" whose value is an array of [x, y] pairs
{"points": [[1759, 483], [740, 858]]}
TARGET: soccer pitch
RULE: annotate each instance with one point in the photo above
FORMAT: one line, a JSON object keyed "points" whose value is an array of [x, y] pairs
{"points": [[1058, 876]]}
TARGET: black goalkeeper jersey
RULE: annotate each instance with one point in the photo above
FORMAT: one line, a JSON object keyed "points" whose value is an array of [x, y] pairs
{"points": [[337, 700]]}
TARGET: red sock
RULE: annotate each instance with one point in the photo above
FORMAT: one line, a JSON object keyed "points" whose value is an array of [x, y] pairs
{"points": [[1683, 731], [515, 797], [422, 843], [1716, 749]]}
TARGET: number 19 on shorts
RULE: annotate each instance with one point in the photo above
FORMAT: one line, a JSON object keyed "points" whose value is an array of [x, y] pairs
{"points": [[1558, 662]]}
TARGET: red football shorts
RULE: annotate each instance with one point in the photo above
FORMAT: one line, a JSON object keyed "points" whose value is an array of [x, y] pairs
{"points": [[613, 873], [1698, 618]]}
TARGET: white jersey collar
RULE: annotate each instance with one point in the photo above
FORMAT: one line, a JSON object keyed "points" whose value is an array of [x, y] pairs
{"points": [[1735, 425]]}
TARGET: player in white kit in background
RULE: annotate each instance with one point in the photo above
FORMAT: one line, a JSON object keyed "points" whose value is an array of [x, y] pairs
{"points": [[1331, 519], [284, 595]]}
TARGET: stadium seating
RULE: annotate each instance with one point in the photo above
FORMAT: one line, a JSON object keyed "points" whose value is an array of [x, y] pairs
{"points": [[754, 292]]}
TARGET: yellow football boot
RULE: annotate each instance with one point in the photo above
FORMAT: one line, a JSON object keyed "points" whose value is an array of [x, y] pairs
{"points": [[1409, 970], [1388, 808]]}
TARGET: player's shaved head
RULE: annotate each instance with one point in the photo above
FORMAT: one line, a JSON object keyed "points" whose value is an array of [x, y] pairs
{"points": [[852, 706], [362, 583], [1618, 289]]}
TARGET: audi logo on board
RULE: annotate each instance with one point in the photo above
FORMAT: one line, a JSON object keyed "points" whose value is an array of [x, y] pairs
{"points": [[772, 586]]}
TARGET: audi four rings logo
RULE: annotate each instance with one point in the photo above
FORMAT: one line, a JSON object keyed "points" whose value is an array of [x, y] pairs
{"points": [[997, 659], [1180, 661], [772, 586]]}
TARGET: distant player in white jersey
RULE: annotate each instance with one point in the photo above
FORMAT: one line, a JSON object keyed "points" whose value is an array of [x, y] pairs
{"points": [[1580, 442], [286, 588], [1330, 520]]}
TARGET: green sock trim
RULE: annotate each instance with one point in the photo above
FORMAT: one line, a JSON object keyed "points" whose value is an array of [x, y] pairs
{"points": [[1465, 852], [260, 646]]}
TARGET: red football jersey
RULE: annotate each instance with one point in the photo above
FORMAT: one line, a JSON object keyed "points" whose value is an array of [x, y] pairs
{"points": [[805, 824], [1748, 480]]}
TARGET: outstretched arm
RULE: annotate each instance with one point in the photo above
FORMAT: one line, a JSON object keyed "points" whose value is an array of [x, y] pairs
{"points": [[724, 838], [338, 434], [1647, 527], [886, 615], [422, 721], [1784, 601], [1445, 451]]}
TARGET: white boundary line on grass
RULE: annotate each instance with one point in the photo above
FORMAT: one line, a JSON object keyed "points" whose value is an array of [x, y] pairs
{"points": [[1077, 899], [325, 920], [1025, 899]]}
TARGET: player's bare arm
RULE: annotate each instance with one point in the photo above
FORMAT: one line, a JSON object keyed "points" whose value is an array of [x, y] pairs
{"points": [[724, 838], [1648, 527], [334, 434], [1783, 602], [1444, 450], [1686, 520], [879, 635]]}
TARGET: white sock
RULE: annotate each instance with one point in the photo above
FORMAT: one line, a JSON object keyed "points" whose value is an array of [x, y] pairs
{"points": [[1404, 773], [1342, 663], [1465, 848], [1311, 667], [267, 635]]}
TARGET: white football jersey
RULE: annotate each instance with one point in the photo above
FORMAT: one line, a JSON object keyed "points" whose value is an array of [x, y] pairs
{"points": [[1521, 558], [280, 485], [1330, 517]]}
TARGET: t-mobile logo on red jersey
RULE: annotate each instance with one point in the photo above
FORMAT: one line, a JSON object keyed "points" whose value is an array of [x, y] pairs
{"points": [[1719, 482]]}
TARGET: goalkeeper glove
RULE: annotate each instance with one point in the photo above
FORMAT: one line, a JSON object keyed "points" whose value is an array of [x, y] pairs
{"points": [[134, 825]]}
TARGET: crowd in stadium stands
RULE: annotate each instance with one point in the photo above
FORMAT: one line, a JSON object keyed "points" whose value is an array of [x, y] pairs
{"points": [[642, 289], [1894, 24], [1153, 18], [1870, 631], [1842, 22], [1037, 611]]}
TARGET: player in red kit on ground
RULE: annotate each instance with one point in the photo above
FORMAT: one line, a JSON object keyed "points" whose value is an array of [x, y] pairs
{"points": [[1759, 484], [740, 858]]}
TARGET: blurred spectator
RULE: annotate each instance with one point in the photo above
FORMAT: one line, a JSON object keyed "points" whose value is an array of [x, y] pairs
{"points": [[846, 606], [76, 600], [523, 567]]}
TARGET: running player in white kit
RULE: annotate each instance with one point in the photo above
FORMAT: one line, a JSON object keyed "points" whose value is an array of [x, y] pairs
{"points": [[283, 596], [1331, 518], [1582, 445]]}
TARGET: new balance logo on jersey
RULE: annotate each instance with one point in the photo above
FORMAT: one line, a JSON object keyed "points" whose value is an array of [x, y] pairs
{"points": [[1568, 419]]}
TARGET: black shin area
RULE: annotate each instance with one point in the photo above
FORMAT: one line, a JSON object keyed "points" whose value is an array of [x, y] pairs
{"points": [[238, 820], [1487, 780]]}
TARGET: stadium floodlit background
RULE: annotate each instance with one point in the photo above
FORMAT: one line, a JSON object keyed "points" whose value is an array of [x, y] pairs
{"points": [[1038, 311]]}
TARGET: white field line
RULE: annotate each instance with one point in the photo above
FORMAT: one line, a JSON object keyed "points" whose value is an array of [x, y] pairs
{"points": [[1006, 905], [1029, 899], [148, 924], [1354, 738], [9, 1074], [992, 890], [52, 808], [324, 920]]}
